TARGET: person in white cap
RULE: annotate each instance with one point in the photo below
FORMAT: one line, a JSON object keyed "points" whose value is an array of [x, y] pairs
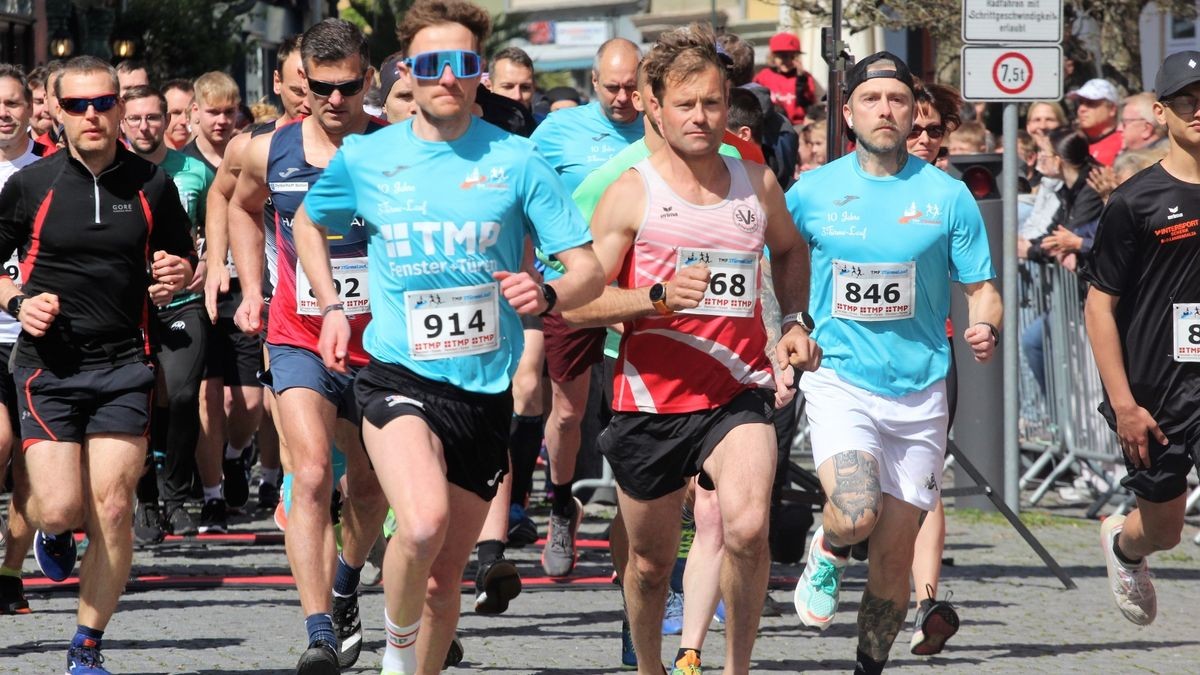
{"points": [[1096, 113]]}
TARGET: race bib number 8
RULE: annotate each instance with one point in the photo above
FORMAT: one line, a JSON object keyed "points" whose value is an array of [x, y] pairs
{"points": [[873, 291], [1187, 332], [733, 284], [350, 280], [453, 321]]}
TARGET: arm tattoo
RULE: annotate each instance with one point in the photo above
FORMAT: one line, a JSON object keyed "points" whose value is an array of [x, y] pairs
{"points": [[771, 315], [879, 621], [857, 489]]}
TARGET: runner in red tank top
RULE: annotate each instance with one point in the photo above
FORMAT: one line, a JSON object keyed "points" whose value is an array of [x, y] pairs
{"points": [[682, 235]]}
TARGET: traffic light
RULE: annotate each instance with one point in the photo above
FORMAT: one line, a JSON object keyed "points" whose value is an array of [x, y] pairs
{"points": [[980, 172]]}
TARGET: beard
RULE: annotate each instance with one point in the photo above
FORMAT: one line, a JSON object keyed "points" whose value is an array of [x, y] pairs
{"points": [[883, 149]]}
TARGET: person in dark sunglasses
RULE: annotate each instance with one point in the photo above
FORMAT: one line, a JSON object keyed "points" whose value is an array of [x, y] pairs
{"points": [[448, 201], [109, 231], [315, 400]]}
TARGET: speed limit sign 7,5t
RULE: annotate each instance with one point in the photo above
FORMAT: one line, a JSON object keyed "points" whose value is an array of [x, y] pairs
{"points": [[1001, 73]]}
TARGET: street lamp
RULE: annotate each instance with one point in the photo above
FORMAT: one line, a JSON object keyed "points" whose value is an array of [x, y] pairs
{"points": [[123, 47], [61, 44]]}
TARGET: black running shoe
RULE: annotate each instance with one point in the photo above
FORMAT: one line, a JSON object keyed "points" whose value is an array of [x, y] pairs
{"points": [[237, 481], [496, 583], [147, 524], [180, 521], [268, 496], [936, 622], [522, 531], [319, 659], [348, 628], [12, 596], [213, 517], [454, 655]]}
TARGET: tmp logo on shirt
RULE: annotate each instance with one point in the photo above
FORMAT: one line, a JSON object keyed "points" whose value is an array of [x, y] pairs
{"points": [[437, 237]]}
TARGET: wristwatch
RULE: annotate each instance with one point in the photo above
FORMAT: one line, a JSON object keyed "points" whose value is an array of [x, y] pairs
{"points": [[14, 305], [551, 297], [658, 297], [992, 328], [803, 318]]}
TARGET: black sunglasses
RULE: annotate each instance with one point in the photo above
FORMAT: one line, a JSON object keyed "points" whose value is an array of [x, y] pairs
{"points": [[79, 106], [935, 131], [326, 89]]}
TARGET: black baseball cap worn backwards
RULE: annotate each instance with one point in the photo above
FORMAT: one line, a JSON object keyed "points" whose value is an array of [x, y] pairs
{"points": [[861, 72]]}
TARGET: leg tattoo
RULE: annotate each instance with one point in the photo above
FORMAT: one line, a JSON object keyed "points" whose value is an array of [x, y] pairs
{"points": [[879, 621], [857, 490]]}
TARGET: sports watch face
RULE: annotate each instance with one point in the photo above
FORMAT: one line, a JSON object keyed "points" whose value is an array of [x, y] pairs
{"points": [[658, 292]]}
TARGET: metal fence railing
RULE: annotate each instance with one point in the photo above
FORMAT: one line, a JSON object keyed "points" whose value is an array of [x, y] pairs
{"points": [[1060, 425]]}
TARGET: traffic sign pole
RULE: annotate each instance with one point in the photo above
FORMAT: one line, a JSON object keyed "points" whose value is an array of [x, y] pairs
{"points": [[1012, 450]]}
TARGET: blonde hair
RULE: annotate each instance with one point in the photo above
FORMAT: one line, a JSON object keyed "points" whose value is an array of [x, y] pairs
{"points": [[216, 87], [264, 111]]}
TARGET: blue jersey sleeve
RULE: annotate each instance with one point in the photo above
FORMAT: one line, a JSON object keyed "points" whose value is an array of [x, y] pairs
{"points": [[550, 214], [795, 206], [970, 256], [331, 202], [548, 139]]}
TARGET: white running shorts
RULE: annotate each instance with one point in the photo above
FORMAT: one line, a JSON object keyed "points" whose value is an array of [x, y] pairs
{"points": [[906, 434]]}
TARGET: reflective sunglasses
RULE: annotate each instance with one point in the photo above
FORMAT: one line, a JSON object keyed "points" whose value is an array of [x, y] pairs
{"points": [[326, 89], [79, 106], [935, 131], [430, 65]]}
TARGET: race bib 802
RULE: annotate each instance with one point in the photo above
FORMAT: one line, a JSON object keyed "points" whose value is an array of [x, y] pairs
{"points": [[350, 280]]}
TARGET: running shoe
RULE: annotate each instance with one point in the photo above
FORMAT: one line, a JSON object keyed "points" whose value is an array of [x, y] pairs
{"points": [[180, 521], [673, 618], [237, 481], [213, 517], [689, 664], [936, 622], [496, 583], [147, 524], [559, 555], [348, 628], [321, 658], [1132, 587], [372, 571], [816, 596], [12, 596], [268, 495], [55, 554], [85, 659], [522, 531], [628, 654], [454, 654]]}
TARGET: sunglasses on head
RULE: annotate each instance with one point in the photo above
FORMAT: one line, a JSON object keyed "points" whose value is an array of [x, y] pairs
{"points": [[326, 89], [935, 131], [79, 106], [430, 65]]}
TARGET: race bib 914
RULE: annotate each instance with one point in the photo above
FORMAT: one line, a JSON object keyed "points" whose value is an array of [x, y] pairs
{"points": [[453, 321]]}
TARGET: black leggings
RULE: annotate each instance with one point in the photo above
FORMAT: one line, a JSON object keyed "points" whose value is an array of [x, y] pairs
{"points": [[181, 337]]}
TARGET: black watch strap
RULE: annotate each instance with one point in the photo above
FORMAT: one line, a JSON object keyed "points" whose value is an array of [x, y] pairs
{"points": [[551, 297], [14, 305]]}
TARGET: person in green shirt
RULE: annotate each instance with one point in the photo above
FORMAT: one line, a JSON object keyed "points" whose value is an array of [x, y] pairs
{"points": [[178, 333]]}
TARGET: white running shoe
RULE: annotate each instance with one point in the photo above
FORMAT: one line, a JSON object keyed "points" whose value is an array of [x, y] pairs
{"points": [[1132, 588]]}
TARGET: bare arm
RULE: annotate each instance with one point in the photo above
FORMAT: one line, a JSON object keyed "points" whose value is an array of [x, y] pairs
{"points": [[614, 225], [984, 306], [1135, 425], [216, 232], [244, 221], [582, 282]]}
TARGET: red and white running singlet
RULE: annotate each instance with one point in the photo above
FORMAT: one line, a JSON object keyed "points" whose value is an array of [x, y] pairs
{"points": [[702, 358]]}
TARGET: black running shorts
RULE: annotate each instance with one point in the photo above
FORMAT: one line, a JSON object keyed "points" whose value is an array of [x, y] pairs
{"points": [[70, 407], [473, 427], [1170, 464], [653, 455]]}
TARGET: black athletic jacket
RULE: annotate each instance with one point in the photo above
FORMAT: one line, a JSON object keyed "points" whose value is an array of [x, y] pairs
{"points": [[90, 240]]}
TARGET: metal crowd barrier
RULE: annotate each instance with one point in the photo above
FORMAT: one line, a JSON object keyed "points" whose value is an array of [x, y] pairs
{"points": [[1061, 426]]}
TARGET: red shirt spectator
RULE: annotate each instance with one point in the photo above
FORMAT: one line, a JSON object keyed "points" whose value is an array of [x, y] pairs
{"points": [[1096, 113], [792, 88]]}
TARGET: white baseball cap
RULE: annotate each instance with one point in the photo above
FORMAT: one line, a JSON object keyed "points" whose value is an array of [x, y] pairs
{"points": [[1098, 89]]}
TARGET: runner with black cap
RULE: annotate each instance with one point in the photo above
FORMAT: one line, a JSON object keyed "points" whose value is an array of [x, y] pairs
{"points": [[1143, 320], [888, 232]]}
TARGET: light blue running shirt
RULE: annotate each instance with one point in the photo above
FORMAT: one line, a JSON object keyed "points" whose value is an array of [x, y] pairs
{"points": [[442, 216], [887, 248]]}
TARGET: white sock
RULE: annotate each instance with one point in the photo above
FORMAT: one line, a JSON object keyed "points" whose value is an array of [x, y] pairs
{"points": [[232, 452], [400, 656], [215, 492]]}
